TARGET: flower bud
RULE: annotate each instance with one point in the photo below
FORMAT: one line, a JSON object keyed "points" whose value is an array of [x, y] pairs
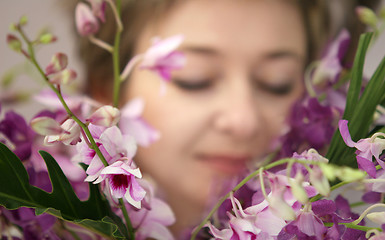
{"points": [[86, 22], [12, 27], [58, 62], [47, 38], [99, 8], [65, 77], [319, 181], [23, 20], [277, 203], [367, 16], [349, 174], [14, 43], [46, 126], [297, 189], [106, 116], [71, 136], [281, 209], [377, 217], [329, 171]]}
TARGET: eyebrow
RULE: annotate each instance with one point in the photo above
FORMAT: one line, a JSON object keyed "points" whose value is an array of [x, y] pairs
{"points": [[280, 54], [200, 50], [270, 55]]}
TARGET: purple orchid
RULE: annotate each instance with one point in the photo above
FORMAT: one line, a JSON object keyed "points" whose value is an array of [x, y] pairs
{"points": [[86, 22], [133, 124], [121, 177], [309, 224], [113, 145], [330, 65], [70, 136], [366, 148], [106, 116], [162, 56], [58, 63], [33, 227], [311, 126], [17, 135], [98, 8], [152, 220]]}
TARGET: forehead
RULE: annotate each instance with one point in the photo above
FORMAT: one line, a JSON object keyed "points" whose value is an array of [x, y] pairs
{"points": [[233, 26]]}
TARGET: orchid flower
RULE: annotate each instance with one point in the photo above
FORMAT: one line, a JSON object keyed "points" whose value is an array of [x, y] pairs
{"points": [[330, 65], [114, 147], [64, 77], [152, 219], [162, 56], [67, 133], [366, 148], [121, 177], [98, 8], [106, 116], [86, 22], [58, 63], [71, 136]]}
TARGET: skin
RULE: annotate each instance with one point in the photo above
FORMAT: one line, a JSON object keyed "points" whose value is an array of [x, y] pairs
{"points": [[224, 109]]}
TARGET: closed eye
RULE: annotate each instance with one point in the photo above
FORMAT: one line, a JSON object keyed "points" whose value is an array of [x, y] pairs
{"points": [[192, 85], [279, 90]]}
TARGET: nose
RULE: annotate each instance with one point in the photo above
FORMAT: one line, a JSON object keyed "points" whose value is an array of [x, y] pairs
{"points": [[239, 114]]}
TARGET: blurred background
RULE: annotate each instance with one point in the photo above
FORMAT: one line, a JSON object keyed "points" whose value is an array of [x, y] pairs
{"points": [[56, 16]]}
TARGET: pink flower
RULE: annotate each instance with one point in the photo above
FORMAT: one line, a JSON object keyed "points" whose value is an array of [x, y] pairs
{"points": [[133, 124], [152, 219], [277, 202], [121, 178], [65, 77], [308, 223], [67, 133], [162, 56], [239, 228], [98, 8], [366, 148], [46, 126], [106, 116], [330, 65], [114, 147], [86, 22], [58, 63], [71, 136], [254, 222]]}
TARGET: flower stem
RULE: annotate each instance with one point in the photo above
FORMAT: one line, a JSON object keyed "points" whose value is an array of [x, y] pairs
{"points": [[101, 43], [115, 54], [353, 226], [367, 211], [32, 58], [130, 229]]}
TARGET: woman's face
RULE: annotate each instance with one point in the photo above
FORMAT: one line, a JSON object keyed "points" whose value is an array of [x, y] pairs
{"points": [[223, 110]]}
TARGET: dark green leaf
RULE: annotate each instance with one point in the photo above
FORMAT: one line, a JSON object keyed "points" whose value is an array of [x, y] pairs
{"points": [[16, 192]]}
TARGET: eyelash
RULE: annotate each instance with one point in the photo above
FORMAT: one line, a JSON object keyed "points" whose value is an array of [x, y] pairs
{"points": [[279, 90], [188, 85], [192, 86]]}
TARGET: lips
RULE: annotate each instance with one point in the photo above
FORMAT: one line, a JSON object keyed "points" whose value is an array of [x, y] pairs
{"points": [[225, 164]]}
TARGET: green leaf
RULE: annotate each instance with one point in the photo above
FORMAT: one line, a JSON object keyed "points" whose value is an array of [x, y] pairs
{"points": [[361, 111], [357, 70], [62, 202]]}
